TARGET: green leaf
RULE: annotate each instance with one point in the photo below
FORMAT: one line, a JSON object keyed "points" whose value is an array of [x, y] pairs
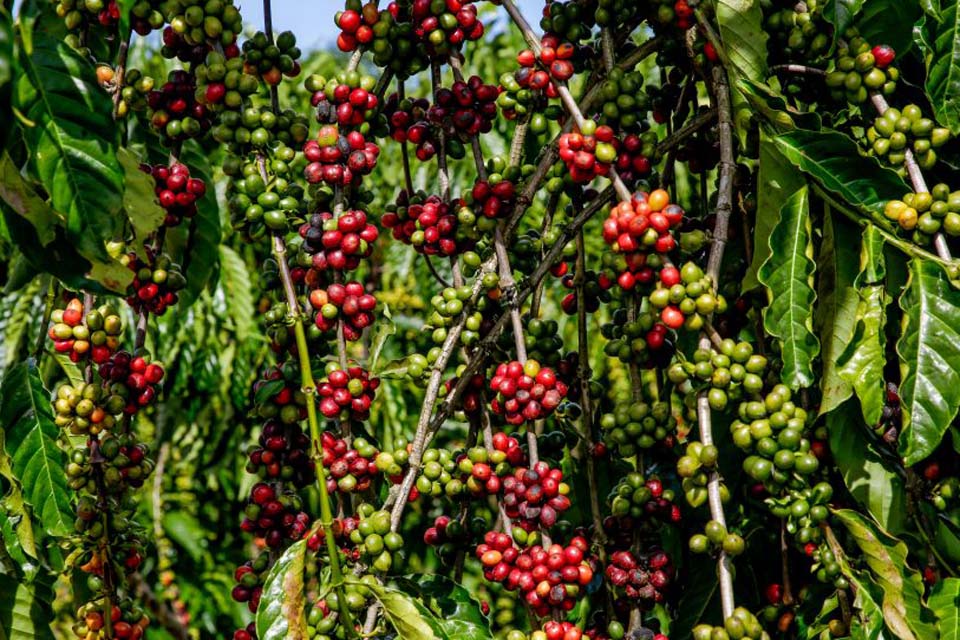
{"points": [[186, 531], [235, 281], [72, 140], [282, 613], [408, 616], [835, 315], [14, 504], [788, 276], [841, 14], [868, 625], [26, 610], [457, 612], [38, 462], [139, 199], [385, 329], [6, 72], [743, 36], [834, 161], [929, 349], [902, 605], [25, 202], [942, 55], [945, 602], [868, 479], [771, 106], [779, 179], [889, 22]]}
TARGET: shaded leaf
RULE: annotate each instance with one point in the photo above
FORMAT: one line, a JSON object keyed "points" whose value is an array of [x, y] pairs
{"points": [[743, 37], [139, 199], [779, 179], [834, 161], [774, 109], [72, 141], [788, 276], [235, 281], [863, 362], [869, 480], [458, 613], [26, 610], [282, 612], [835, 315], [945, 602], [186, 531], [841, 14], [38, 462], [407, 615], [25, 202], [868, 625], [929, 349], [17, 514], [889, 22], [902, 604], [942, 40]]}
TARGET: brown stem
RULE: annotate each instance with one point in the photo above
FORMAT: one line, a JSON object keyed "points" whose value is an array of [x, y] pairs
{"points": [[119, 76], [785, 564], [443, 174]]}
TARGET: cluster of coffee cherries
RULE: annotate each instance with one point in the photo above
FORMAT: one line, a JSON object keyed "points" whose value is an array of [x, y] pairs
{"points": [[525, 392], [338, 242], [427, 223], [76, 13], [535, 497], [644, 498], [716, 537], [547, 578], [134, 377], [156, 281], [349, 304], [742, 624], [256, 206], [377, 544], [271, 60], [859, 69], [351, 467], [274, 515], [804, 510], [443, 27], [250, 578], [896, 131], [202, 23], [338, 159], [408, 122], [173, 108], [797, 34], [927, 214], [222, 83], [694, 467], [636, 426], [685, 297], [492, 198], [643, 340], [85, 408], [346, 100], [642, 225], [261, 127], [133, 94], [176, 191], [644, 579], [588, 155], [347, 393], [772, 429], [122, 462], [466, 109], [444, 534], [95, 334], [127, 620], [555, 56], [277, 395], [282, 453], [728, 372], [624, 102], [446, 306]]}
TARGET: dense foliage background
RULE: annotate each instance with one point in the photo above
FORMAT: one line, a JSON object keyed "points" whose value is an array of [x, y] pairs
{"points": [[830, 455]]}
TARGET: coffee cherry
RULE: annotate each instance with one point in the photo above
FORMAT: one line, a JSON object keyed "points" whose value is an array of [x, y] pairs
{"points": [[349, 468], [347, 394], [156, 281], [223, 84], [644, 500], [274, 515], [338, 159], [427, 223], [526, 392], [176, 191], [135, 380], [347, 100], [338, 243], [896, 131], [535, 497], [271, 61], [94, 335], [174, 111], [643, 579], [283, 453]]}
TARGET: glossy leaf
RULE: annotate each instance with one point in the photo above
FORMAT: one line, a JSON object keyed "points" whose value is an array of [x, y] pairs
{"points": [[38, 462], [14, 505], [945, 602], [779, 179], [412, 619], [26, 609], [841, 14], [942, 40], [868, 625], [24, 201], [834, 317], [788, 277], [72, 140], [874, 484], [834, 161], [902, 605], [889, 22], [139, 199], [457, 612], [929, 349], [282, 613], [743, 37]]}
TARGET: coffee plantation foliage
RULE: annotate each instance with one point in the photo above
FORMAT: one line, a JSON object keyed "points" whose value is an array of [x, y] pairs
{"points": [[629, 319]]}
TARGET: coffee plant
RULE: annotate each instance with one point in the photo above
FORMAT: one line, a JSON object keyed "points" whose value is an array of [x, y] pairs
{"points": [[631, 319]]}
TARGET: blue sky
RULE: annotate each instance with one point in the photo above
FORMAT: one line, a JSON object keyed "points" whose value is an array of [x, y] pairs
{"points": [[312, 20]]}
